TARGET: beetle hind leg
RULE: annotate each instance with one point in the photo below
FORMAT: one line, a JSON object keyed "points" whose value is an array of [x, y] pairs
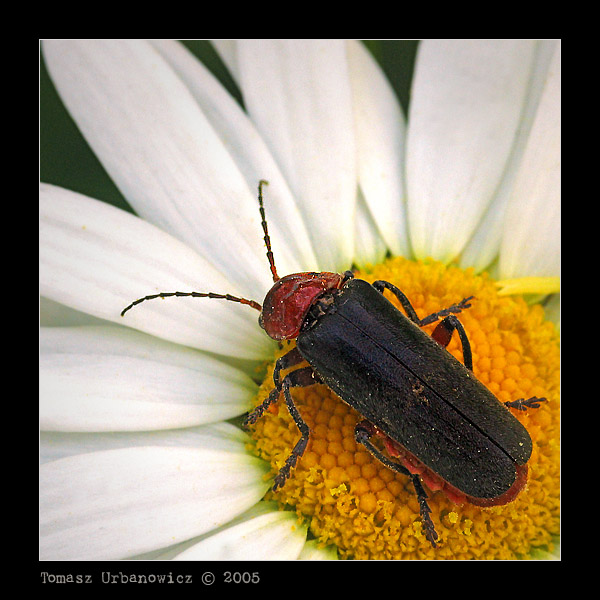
{"points": [[363, 433], [430, 532]]}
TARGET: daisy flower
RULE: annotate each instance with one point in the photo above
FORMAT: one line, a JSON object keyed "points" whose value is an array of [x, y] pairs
{"points": [[142, 453]]}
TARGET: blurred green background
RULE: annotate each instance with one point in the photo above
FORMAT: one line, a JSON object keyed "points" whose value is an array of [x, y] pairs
{"points": [[67, 160]]}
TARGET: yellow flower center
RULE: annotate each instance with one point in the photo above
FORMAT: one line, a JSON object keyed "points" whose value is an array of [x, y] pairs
{"points": [[368, 511]]}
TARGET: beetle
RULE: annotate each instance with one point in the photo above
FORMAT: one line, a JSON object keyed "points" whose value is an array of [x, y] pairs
{"points": [[424, 413]]}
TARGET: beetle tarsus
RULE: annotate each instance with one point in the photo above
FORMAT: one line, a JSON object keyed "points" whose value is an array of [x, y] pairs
{"points": [[523, 404], [454, 309], [430, 532], [258, 412], [284, 473]]}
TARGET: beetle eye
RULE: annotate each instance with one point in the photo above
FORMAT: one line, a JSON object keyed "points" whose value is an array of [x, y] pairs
{"points": [[260, 320]]}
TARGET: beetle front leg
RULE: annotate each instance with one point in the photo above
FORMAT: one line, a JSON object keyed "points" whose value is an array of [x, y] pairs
{"points": [[293, 357], [299, 378], [363, 432]]}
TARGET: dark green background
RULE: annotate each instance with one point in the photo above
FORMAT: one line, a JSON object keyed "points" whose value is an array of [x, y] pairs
{"points": [[67, 160]]}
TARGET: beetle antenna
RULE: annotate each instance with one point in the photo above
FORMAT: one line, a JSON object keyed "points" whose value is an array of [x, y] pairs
{"points": [[261, 183], [211, 295], [229, 297]]}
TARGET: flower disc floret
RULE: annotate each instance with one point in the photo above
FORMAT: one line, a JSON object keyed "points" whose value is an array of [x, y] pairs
{"points": [[353, 501]]}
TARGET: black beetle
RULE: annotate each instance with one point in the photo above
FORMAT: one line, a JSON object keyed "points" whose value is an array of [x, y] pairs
{"points": [[437, 422]]}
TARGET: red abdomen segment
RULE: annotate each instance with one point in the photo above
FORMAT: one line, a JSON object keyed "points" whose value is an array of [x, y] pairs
{"points": [[434, 482]]}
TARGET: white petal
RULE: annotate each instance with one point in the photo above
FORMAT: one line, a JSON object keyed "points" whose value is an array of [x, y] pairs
{"points": [[293, 250], [97, 259], [484, 246], [380, 139], [370, 248], [542, 554], [217, 436], [312, 551], [263, 533], [55, 314], [118, 503], [227, 50], [112, 379], [298, 95], [466, 103], [552, 310], [531, 237], [161, 151]]}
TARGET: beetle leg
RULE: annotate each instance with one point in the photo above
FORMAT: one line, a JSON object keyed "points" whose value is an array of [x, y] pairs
{"points": [[522, 404], [347, 276], [443, 333], [293, 357], [380, 285], [299, 378], [430, 532], [455, 308], [363, 432], [258, 412]]}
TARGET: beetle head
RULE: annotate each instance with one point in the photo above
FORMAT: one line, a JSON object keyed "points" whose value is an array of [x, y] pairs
{"points": [[289, 300]]}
